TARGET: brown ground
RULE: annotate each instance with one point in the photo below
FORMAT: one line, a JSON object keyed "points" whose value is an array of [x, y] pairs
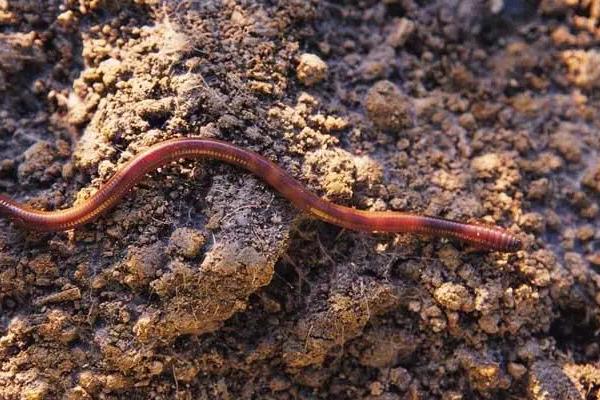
{"points": [[204, 284]]}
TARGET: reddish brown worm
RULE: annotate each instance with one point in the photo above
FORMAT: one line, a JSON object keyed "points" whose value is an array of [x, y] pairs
{"points": [[109, 194]]}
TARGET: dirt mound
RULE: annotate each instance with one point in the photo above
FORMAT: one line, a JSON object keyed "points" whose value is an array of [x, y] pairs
{"points": [[203, 283]]}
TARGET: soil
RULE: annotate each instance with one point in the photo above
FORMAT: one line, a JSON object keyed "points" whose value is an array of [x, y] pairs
{"points": [[205, 284]]}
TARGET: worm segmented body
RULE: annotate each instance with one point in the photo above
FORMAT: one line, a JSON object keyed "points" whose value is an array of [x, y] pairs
{"points": [[118, 185]]}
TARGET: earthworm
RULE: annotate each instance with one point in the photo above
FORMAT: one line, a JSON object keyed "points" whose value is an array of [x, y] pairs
{"points": [[109, 194]]}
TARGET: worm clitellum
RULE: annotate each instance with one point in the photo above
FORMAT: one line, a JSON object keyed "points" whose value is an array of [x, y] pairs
{"points": [[109, 194]]}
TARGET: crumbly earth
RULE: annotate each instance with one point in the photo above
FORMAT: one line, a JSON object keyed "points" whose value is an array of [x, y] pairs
{"points": [[205, 284]]}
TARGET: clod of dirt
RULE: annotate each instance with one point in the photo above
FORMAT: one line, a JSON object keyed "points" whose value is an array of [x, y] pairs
{"points": [[486, 165], [548, 381], [186, 242], [378, 64], [19, 49], [583, 376], [37, 390], [151, 109], [454, 297], [58, 326], [583, 67], [567, 145], [66, 294], [44, 268], [400, 378], [346, 315], [545, 163], [305, 128], [388, 108], [385, 348], [311, 69], [586, 232], [78, 393], [533, 222], [553, 7], [594, 259], [197, 300], [402, 29], [66, 19], [334, 170], [448, 181], [484, 373], [516, 370], [7, 166], [538, 189], [38, 164], [142, 263], [501, 167], [344, 319], [591, 179], [110, 70]]}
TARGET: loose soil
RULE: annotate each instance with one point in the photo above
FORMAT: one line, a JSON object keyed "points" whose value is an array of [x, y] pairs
{"points": [[205, 284]]}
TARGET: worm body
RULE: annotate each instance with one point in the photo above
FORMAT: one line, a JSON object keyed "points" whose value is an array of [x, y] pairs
{"points": [[109, 194]]}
